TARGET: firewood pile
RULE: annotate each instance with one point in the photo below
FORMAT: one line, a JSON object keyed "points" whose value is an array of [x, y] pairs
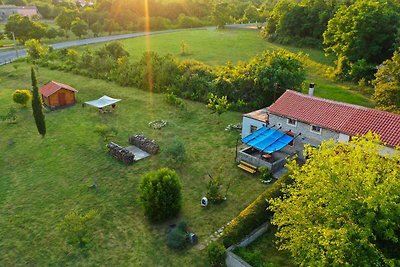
{"points": [[120, 153], [148, 145]]}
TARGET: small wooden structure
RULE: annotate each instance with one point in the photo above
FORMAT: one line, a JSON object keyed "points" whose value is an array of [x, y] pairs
{"points": [[57, 95]]}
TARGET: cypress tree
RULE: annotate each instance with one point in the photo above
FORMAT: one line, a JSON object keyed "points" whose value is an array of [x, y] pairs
{"points": [[37, 106]]}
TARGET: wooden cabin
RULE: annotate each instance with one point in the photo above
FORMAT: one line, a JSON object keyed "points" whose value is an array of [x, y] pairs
{"points": [[57, 95]]}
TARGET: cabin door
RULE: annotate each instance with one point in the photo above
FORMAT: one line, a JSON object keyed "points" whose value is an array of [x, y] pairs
{"points": [[61, 99]]}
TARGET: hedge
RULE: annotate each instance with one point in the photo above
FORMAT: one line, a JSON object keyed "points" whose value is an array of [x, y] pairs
{"points": [[253, 215]]}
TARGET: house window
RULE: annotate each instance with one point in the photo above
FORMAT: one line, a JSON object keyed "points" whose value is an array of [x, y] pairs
{"points": [[253, 128], [292, 122], [316, 129]]}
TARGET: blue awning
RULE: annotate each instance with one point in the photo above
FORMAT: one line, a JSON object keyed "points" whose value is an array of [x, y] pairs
{"points": [[267, 140]]}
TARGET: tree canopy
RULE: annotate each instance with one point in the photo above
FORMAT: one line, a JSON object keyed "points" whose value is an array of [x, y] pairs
{"points": [[365, 30], [343, 208], [24, 28], [387, 84]]}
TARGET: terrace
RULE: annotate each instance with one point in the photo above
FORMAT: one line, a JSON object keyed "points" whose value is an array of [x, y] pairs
{"points": [[274, 161]]}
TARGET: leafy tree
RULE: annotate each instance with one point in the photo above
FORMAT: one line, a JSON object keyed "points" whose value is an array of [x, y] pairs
{"points": [[65, 18], [364, 30], [221, 14], [96, 28], [110, 26], [387, 84], [261, 80], [114, 50], [52, 33], [301, 23], [217, 104], [78, 228], [160, 193], [35, 49], [79, 27], [37, 106], [343, 207], [21, 97], [251, 13], [24, 28]]}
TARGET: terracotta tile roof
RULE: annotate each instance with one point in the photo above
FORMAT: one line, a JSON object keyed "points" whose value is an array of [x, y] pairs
{"points": [[52, 87], [260, 115], [338, 116]]}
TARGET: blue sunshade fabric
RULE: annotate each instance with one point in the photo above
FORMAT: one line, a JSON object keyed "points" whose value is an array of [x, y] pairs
{"points": [[267, 140]]}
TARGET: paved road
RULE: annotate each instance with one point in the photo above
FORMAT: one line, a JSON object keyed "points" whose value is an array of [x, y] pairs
{"points": [[6, 57]]}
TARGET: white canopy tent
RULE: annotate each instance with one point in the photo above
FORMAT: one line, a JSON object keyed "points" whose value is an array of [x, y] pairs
{"points": [[103, 101]]}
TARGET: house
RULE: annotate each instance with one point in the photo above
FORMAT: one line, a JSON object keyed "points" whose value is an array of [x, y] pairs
{"points": [[8, 10], [57, 95], [312, 120]]}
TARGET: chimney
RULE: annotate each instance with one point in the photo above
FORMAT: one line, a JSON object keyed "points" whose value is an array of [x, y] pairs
{"points": [[311, 89]]}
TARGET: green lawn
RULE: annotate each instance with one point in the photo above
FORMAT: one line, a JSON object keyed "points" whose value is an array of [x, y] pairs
{"points": [[43, 179], [217, 47]]}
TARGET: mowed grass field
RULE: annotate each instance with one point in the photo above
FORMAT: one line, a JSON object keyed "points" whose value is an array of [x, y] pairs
{"points": [[218, 47], [43, 179]]}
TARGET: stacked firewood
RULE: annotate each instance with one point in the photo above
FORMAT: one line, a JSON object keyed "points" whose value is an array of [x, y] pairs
{"points": [[120, 153], [148, 145]]}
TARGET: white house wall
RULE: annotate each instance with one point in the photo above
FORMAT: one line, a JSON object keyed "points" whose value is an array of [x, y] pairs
{"points": [[247, 123], [303, 128]]}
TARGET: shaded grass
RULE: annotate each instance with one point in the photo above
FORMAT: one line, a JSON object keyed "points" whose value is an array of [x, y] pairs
{"points": [[218, 47], [43, 179], [263, 252]]}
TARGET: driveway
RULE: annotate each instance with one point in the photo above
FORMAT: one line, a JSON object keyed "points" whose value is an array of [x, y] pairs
{"points": [[6, 57]]}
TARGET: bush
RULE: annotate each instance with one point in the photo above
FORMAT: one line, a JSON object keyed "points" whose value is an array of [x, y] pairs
{"points": [[216, 254], [160, 194], [177, 237], [253, 215], [77, 228], [105, 131], [35, 49], [21, 97], [214, 191], [265, 174], [172, 99], [176, 152]]}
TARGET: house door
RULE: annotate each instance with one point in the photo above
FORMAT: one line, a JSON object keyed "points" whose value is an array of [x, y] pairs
{"points": [[61, 99]]}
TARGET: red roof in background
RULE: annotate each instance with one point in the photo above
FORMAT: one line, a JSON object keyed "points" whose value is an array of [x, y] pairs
{"points": [[52, 87], [338, 116]]}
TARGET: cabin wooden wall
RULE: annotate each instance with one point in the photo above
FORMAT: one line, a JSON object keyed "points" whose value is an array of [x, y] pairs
{"points": [[69, 98], [45, 100]]}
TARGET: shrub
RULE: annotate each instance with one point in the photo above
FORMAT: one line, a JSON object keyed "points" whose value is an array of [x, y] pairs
{"points": [[22, 96], [216, 254], [11, 116], [78, 228], [253, 215], [172, 99], [176, 152], [105, 131], [160, 194], [35, 49], [177, 237], [265, 173], [214, 190]]}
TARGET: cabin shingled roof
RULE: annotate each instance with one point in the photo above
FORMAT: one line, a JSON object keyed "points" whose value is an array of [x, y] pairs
{"points": [[52, 87]]}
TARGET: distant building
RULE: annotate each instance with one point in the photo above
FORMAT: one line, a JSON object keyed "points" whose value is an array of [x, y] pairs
{"points": [[8, 10]]}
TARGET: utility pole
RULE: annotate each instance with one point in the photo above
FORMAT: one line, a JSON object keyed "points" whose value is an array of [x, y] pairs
{"points": [[15, 44]]}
